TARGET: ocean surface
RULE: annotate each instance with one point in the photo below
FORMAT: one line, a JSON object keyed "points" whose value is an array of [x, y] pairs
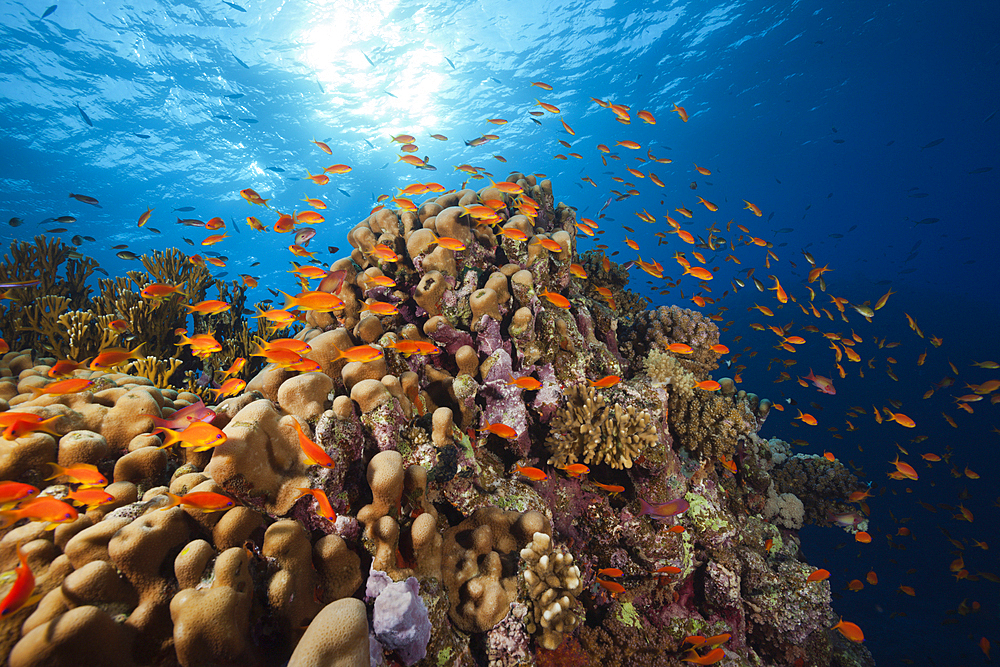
{"points": [[867, 134]]}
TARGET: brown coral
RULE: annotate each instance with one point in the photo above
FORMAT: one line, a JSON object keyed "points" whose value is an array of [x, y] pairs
{"points": [[480, 580], [586, 428]]}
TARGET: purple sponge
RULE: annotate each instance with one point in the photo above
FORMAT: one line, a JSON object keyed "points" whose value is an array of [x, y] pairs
{"points": [[401, 621]]}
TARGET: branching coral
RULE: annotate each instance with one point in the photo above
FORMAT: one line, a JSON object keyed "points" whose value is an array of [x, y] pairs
{"points": [[553, 585], [586, 428], [156, 370], [706, 422], [41, 261]]}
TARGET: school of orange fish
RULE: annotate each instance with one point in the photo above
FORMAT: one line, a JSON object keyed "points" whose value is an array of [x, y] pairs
{"points": [[827, 316]]}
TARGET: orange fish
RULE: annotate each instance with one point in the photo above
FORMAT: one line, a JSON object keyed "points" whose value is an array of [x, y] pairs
{"points": [[199, 436], [862, 537], [251, 196], [214, 238], [681, 112], [819, 575], [904, 469], [47, 509], [361, 353], [610, 572], [113, 356], [849, 630], [575, 469], [384, 253], [315, 300], [206, 501], [325, 509], [710, 658], [613, 489], [160, 291], [855, 585], [720, 349], [527, 383], [236, 366], [667, 569], [202, 345], [699, 272], [90, 498], [380, 308], [557, 300], [64, 367], [12, 492], [807, 418], [680, 348], [410, 347], [534, 474], [314, 453], [84, 474], [709, 385], [502, 430], [872, 578], [901, 419], [614, 587], [144, 218], [908, 590], [20, 424], [24, 586], [323, 147], [605, 382]]}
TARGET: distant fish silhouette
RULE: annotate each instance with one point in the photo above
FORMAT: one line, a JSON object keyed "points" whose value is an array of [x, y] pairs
{"points": [[236, 7], [48, 12], [83, 114], [240, 61], [933, 143], [368, 59], [453, 67], [141, 136]]}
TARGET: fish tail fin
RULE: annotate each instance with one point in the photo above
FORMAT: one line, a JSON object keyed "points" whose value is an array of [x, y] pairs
{"points": [[290, 301], [175, 500], [44, 426], [339, 355], [7, 519], [646, 508], [171, 438], [57, 469]]}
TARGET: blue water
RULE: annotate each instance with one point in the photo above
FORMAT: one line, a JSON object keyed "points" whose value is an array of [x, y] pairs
{"points": [[821, 114]]}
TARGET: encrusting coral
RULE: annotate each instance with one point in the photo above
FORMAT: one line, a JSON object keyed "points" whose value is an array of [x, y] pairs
{"points": [[406, 447]]}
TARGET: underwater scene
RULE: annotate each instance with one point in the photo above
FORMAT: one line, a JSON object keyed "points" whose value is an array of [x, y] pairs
{"points": [[499, 334]]}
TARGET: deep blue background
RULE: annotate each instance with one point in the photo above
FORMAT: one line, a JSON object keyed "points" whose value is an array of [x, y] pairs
{"points": [[816, 113]]}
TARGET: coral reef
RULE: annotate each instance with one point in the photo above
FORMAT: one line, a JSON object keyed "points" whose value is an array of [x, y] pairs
{"points": [[423, 437]]}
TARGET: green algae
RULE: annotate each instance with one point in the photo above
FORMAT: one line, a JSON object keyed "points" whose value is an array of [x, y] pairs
{"points": [[705, 516], [627, 615]]}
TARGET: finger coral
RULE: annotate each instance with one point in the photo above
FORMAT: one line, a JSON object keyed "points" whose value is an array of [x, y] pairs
{"points": [[553, 583], [588, 429]]}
